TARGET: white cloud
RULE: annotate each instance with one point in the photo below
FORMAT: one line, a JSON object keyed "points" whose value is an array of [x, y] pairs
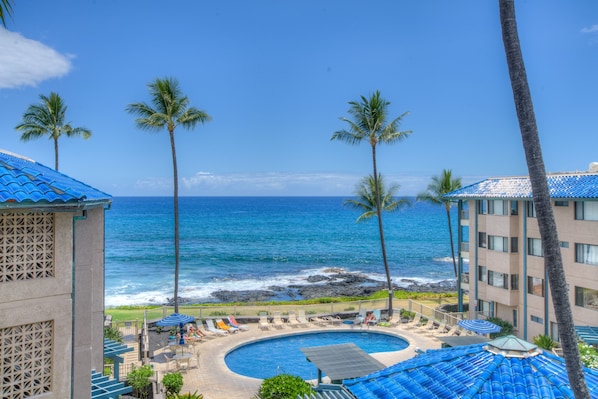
{"points": [[27, 62], [591, 29]]}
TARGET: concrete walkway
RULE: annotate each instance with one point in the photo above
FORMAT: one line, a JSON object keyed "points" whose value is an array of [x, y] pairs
{"points": [[214, 380]]}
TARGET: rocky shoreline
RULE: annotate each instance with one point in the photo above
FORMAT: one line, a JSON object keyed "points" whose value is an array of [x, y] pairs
{"points": [[335, 284]]}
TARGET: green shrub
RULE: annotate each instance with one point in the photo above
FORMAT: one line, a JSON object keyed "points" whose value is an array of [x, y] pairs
{"points": [[193, 395], [506, 327], [139, 379], [173, 383], [113, 334], [407, 314], [589, 355], [283, 386], [544, 342]]}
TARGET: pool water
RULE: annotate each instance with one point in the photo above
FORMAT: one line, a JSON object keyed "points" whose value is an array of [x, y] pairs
{"points": [[270, 357]]}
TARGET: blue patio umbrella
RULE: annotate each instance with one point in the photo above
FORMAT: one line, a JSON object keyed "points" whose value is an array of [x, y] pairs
{"points": [[176, 319], [479, 326]]}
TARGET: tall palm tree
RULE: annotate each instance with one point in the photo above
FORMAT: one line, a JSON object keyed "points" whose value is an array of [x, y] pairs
{"points": [[5, 9], [365, 198], [169, 109], [440, 185], [369, 123], [48, 119], [553, 261]]}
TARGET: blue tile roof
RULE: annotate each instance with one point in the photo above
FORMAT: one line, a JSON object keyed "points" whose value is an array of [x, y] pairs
{"points": [[26, 182], [471, 372], [560, 186]]}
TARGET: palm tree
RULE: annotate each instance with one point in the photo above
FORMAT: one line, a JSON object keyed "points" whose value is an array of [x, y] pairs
{"points": [[366, 198], [48, 119], [553, 261], [169, 109], [434, 194], [5, 9], [369, 123]]}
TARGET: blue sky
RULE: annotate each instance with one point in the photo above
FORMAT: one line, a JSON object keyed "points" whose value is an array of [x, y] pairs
{"points": [[276, 76]]}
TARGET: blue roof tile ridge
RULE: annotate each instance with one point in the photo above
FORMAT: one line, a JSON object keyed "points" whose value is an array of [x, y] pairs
{"points": [[24, 180]]}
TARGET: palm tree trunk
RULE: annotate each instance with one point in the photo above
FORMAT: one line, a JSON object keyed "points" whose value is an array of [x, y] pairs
{"points": [[55, 152], [176, 222], [450, 228], [381, 230], [546, 223]]}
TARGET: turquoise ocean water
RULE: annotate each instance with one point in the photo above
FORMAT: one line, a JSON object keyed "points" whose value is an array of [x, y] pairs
{"points": [[244, 243]]}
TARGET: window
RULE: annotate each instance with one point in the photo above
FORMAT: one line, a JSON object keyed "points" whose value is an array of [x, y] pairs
{"points": [[531, 209], [515, 318], [514, 245], [515, 282], [482, 274], [564, 244], [534, 247], [482, 207], [500, 244], [498, 207], [485, 307], [587, 210], [482, 240], [498, 279], [537, 319], [586, 253], [535, 286], [514, 208], [586, 298], [561, 203]]}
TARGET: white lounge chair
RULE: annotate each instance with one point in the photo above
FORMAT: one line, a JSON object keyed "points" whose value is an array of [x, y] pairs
{"points": [[220, 324], [277, 321], [415, 322], [264, 323], [212, 328], [301, 318], [292, 320]]}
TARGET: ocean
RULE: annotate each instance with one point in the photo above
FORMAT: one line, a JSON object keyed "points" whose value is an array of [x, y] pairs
{"points": [[246, 243]]}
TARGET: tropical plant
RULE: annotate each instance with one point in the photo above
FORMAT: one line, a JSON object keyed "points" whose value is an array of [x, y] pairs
{"points": [[139, 380], [169, 109], [544, 342], [283, 386], [589, 355], [441, 185], [369, 124], [506, 328], [114, 334], [173, 383], [48, 119], [365, 198], [5, 9], [189, 395], [553, 261]]}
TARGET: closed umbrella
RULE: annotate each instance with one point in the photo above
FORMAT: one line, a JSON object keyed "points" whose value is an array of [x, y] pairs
{"points": [[479, 326], [176, 319]]}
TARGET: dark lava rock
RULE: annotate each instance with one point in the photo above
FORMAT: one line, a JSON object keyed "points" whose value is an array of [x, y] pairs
{"points": [[244, 296]]}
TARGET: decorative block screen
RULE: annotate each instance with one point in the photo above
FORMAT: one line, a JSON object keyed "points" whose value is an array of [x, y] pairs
{"points": [[26, 352], [26, 246]]}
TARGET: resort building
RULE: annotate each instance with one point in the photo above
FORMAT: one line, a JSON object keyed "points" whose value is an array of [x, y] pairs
{"points": [[51, 283], [501, 264]]}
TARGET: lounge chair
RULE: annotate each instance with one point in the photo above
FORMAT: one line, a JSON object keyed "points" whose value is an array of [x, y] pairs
{"points": [[233, 322], [264, 323], [415, 322], [292, 320], [438, 329], [212, 328], [453, 330], [428, 326], [301, 318], [277, 321], [322, 321], [223, 326]]}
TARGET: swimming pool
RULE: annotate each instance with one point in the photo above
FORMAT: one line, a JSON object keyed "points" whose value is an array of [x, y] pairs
{"points": [[272, 356]]}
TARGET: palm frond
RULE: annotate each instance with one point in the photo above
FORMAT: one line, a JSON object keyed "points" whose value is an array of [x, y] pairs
{"points": [[5, 9]]}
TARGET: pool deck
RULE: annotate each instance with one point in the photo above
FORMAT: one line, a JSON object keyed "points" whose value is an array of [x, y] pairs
{"points": [[214, 380]]}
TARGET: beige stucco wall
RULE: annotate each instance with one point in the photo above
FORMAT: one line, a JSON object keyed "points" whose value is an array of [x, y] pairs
{"points": [[30, 301]]}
